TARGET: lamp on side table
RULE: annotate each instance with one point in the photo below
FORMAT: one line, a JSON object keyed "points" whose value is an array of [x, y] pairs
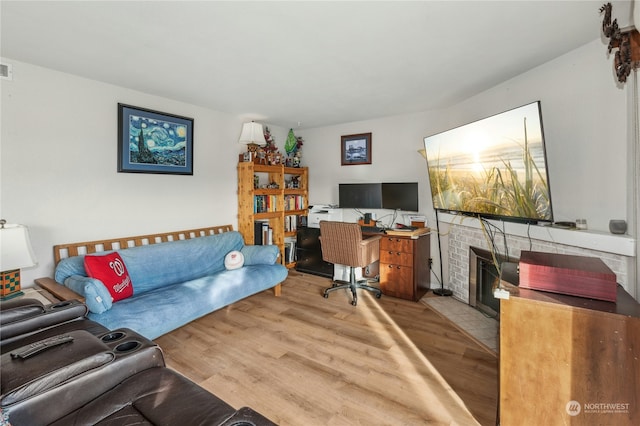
{"points": [[15, 253]]}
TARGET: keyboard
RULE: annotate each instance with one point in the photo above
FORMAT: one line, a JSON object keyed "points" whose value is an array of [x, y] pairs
{"points": [[405, 228], [371, 229]]}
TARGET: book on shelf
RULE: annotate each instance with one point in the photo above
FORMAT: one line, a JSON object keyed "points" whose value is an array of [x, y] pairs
{"points": [[257, 233], [290, 250], [262, 233], [287, 253], [294, 202], [264, 203], [290, 223], [267, 234]]}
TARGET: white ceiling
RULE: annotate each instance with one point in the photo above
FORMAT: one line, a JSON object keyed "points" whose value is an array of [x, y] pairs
{"points": [[312, 63]]}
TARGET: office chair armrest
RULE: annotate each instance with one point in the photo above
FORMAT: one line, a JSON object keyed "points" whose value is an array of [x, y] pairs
{"points": [[370, 249], [371, 239]]}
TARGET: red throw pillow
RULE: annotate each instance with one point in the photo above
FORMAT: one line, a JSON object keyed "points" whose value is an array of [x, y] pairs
{"points": [[111, 270]]}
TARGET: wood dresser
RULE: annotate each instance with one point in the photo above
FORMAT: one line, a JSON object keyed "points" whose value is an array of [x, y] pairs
{"points": [[404, 264], [569, 360]]}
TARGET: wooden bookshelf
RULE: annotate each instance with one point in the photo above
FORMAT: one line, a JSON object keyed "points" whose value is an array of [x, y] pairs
{"points": [[273, 201]]}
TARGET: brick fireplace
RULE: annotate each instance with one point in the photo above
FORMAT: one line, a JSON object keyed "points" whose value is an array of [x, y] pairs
{"points": [[458, 236], [484, 276]]}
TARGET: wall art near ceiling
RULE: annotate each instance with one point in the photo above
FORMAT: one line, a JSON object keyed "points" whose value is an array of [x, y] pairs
{"points": [[154, 142], [356, 149]]}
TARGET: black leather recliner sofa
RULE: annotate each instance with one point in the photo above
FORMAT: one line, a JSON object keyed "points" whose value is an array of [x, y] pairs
{"points": [[60, 368]]}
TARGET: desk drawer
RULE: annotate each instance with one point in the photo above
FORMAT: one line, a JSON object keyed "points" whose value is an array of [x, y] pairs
{"points": [[396, 257], [396, 244], [396, 281]]}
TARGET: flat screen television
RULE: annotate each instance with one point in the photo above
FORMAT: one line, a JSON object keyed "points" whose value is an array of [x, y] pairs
{"points": [[360, 195], [400, 196], [495, 167]]}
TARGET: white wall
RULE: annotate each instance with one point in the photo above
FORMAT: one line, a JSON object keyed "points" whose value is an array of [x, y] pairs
{"points": [[395, 143], [59, 165]]}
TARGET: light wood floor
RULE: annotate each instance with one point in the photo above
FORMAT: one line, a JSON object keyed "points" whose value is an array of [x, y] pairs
{"points": [[301, 359]]}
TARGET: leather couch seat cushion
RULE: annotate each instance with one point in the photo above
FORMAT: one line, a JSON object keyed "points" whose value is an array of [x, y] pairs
{"points": [[156, 396]]}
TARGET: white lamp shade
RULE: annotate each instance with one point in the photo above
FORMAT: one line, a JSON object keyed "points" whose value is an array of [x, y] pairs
{"points": [[15, 248], [252, 133]]}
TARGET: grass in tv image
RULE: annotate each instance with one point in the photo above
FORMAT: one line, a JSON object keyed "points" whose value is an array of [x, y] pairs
{"points": [[494, 167]]}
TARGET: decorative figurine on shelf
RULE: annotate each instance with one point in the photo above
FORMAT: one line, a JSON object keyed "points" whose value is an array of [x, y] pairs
{"points": [[262, 156], [292, 147], [270, 147], [295, 182], [291, 144], [274, 157]]}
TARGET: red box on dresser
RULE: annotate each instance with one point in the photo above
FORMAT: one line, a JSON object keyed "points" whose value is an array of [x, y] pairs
{"points": [[582, 276]]}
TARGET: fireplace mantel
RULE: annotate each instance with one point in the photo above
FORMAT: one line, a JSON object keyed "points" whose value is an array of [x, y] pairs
{"points": [[458, 233], [622, 245]]}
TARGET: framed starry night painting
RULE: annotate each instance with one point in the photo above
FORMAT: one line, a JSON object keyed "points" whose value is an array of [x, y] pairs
{"points": [[154, 142]]}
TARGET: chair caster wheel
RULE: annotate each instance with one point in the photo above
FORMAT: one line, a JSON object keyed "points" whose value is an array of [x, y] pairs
{"points": [[378, 295], [354, 302], [326, 296]]}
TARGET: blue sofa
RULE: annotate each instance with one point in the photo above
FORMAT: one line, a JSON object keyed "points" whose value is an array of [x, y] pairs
{"points": [[175, 282]]}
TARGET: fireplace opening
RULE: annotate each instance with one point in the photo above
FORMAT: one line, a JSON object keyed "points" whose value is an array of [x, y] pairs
{"points": [[484, 278]]}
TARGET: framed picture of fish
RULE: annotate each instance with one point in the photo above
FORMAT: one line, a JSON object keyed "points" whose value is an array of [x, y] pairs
{"points": [[154, 142]]}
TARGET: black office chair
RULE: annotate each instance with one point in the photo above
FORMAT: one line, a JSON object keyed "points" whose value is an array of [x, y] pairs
{"points": [[342, 243]]}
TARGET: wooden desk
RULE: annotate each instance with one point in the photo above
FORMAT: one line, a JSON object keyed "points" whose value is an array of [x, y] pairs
{"points": [[404, 264], [403, 267], [569, 360]]}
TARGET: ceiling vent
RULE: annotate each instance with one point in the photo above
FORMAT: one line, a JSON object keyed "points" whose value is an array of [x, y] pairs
{"points": [[6, 72]]}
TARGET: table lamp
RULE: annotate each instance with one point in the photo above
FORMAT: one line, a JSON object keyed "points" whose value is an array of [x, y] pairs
{"points": [[253, 135], [15, 253]]}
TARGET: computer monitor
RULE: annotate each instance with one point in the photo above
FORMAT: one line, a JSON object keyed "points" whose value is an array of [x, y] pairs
{"points": [[400, 196], [360, 195]]}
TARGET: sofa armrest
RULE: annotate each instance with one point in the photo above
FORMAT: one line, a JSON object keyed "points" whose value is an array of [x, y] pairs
{"points": [[19, 309], [94, 294], [58, 290], [260, 255], [19, 319]]}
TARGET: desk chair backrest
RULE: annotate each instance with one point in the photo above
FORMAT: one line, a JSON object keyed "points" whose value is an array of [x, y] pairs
{"points": [[342, 243]]}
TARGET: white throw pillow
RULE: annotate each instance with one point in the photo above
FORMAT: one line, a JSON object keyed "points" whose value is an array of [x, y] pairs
{"points": [[233, 260]]}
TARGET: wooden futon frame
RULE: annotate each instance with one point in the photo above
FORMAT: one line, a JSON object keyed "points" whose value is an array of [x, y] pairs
{"points": [[62, 251]]}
